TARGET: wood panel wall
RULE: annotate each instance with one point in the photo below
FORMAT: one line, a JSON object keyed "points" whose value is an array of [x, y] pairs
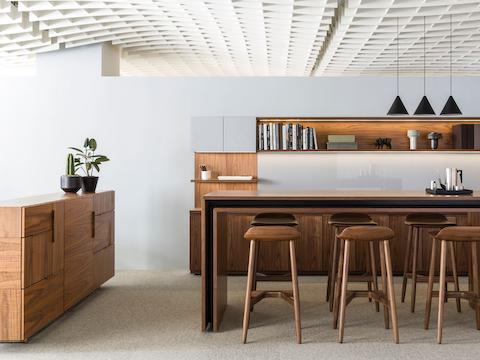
{"points": [[314, 247]]}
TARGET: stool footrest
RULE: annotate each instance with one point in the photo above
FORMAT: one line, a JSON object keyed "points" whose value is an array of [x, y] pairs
{"points": [[378, 296], [279, 277], [259, 295]]}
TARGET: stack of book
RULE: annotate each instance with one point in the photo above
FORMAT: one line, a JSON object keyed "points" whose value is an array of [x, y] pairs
{"points": [[276, 136], [342, 142]]}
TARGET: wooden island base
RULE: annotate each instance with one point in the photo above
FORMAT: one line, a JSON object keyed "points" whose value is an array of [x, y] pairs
{"points": [[55, 250], [226, 215]]}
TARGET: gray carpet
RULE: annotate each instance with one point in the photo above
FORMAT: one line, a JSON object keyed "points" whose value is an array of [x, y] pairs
{"points": [[156, 315]]}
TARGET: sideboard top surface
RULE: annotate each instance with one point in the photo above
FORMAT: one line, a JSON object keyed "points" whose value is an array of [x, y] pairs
{"points": [[45, 199]]}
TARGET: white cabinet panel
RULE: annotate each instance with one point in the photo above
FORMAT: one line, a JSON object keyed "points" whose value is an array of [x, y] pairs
{"points": [[239, 133], [207, 133]]}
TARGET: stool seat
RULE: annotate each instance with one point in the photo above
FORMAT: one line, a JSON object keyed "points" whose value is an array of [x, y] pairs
{"points": [[349, 219], [459, 233], [272, 233], [367, 233], [427, 219], [268, 219]]}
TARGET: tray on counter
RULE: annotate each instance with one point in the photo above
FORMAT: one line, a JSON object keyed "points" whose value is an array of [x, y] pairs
{"points": [[449, 192]]}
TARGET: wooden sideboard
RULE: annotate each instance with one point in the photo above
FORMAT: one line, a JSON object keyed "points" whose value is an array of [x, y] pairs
{"points": [[54, 251]]}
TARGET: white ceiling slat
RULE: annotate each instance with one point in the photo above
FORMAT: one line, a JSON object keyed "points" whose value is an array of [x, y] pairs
{"points": [[250, 37]]}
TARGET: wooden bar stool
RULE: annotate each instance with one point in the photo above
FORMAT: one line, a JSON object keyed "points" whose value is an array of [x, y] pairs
{"points": [[269, 219], [258, 234], [415, 223], [447, 238], [340, 221], [371, 234]]}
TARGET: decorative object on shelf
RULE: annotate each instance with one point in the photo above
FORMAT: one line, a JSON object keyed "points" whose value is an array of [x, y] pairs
{"points": [[235, 177], [451, 107], [342, 142], [70, 182], [88, 161], [204, 173], [413, 135], [434, 137], [383, 142], [397, 107], [440, 191], [424, 108]]}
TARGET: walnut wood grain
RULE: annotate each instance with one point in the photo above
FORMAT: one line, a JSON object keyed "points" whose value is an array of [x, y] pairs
{"points": [[103, 265], [11, 224], [35, 268], [38, 219], [11, 263], [195, 241], [104, 228], [104, 202], [43, 303], [11, 315]]}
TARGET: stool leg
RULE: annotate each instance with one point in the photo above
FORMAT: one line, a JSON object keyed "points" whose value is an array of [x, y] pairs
{"points": [[441, 293], [373, 266], [248, 293], [416, 232], [391, 291], [455, 274], [343, 302], [333, 270], [338, 283], [384, 283], [296, 294], [476, 286], [406, 263], [255, 270], [431, 275], [330, 264]]}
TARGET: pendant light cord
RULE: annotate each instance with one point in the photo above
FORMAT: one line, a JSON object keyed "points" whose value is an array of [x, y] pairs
{"points": [[450, 54], [398, 62], [424, 59]]}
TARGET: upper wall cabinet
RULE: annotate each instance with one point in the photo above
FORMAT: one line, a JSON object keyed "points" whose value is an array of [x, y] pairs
{"points": [[239, 133], [223, 134]]}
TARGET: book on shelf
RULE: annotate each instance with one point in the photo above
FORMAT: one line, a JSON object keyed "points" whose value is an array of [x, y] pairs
{"points": [[277, 136]]}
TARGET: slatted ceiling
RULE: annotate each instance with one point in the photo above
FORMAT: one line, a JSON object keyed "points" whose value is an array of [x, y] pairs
{"points": [[252, 37], [363, 40]]}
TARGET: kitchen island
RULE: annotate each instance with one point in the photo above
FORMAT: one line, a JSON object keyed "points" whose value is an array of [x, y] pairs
{"points": [[217, 205]]}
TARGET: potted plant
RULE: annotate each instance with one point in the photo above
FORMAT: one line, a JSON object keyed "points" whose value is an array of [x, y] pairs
{"points": [[88, 161], [70, 182]]}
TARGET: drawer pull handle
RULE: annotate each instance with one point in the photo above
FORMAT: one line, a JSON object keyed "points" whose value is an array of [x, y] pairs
{"points": [[54, 228], [93, 224]]}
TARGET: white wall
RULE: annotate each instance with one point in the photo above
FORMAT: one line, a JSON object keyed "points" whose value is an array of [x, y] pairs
{"points": [[143, 125]]}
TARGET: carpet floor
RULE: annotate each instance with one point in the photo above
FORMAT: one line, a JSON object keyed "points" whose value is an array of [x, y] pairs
{"points": [[156, 315]]}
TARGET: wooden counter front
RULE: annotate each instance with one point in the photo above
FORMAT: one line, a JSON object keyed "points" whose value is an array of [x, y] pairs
{"points": [[54, 251], [227, 214]]}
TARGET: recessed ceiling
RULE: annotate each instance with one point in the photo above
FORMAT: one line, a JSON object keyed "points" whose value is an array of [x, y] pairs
{"points": [[249, 37]]}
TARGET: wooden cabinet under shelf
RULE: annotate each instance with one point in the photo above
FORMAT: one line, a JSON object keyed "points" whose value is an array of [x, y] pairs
{"points": [[54, 251]]}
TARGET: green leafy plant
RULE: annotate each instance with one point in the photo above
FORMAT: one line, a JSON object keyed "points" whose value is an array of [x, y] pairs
{"points": [[71, 171], [87, 160]]}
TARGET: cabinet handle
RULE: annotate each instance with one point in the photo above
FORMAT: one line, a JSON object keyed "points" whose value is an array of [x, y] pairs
{"points": [[53, 226], [93, 224]]}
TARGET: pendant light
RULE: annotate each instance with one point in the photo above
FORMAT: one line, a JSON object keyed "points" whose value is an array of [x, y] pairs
{"points": [[397, 107], [424, 108], [451, 107]]}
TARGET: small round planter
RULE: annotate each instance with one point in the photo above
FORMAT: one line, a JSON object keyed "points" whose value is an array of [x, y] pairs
{"points": [[89, 184], [70, 184]]}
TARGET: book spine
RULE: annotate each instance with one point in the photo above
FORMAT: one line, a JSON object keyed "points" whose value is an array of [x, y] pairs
{"points": [[294, 137], [304, 139], [315, 142], [260, 137], [271, 136], [284, 137]]}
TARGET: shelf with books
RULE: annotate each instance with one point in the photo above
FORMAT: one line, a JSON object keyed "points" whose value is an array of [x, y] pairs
{"points": [[356, 134]]}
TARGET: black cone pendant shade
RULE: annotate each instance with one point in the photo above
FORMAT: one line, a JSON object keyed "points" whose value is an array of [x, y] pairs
{"points": [[451, 107], [424, 108], [397, 107]]}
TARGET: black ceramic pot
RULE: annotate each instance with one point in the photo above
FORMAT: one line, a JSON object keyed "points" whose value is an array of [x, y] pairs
{"points": [[70, 184], [89, 183]]}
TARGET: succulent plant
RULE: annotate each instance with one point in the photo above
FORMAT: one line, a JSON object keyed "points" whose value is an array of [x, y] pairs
{"points": [[70, 165]]}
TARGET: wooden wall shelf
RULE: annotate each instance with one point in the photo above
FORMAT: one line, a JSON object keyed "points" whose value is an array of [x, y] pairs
{"points": [[216, 181], [396, 151], [367, 130]]}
